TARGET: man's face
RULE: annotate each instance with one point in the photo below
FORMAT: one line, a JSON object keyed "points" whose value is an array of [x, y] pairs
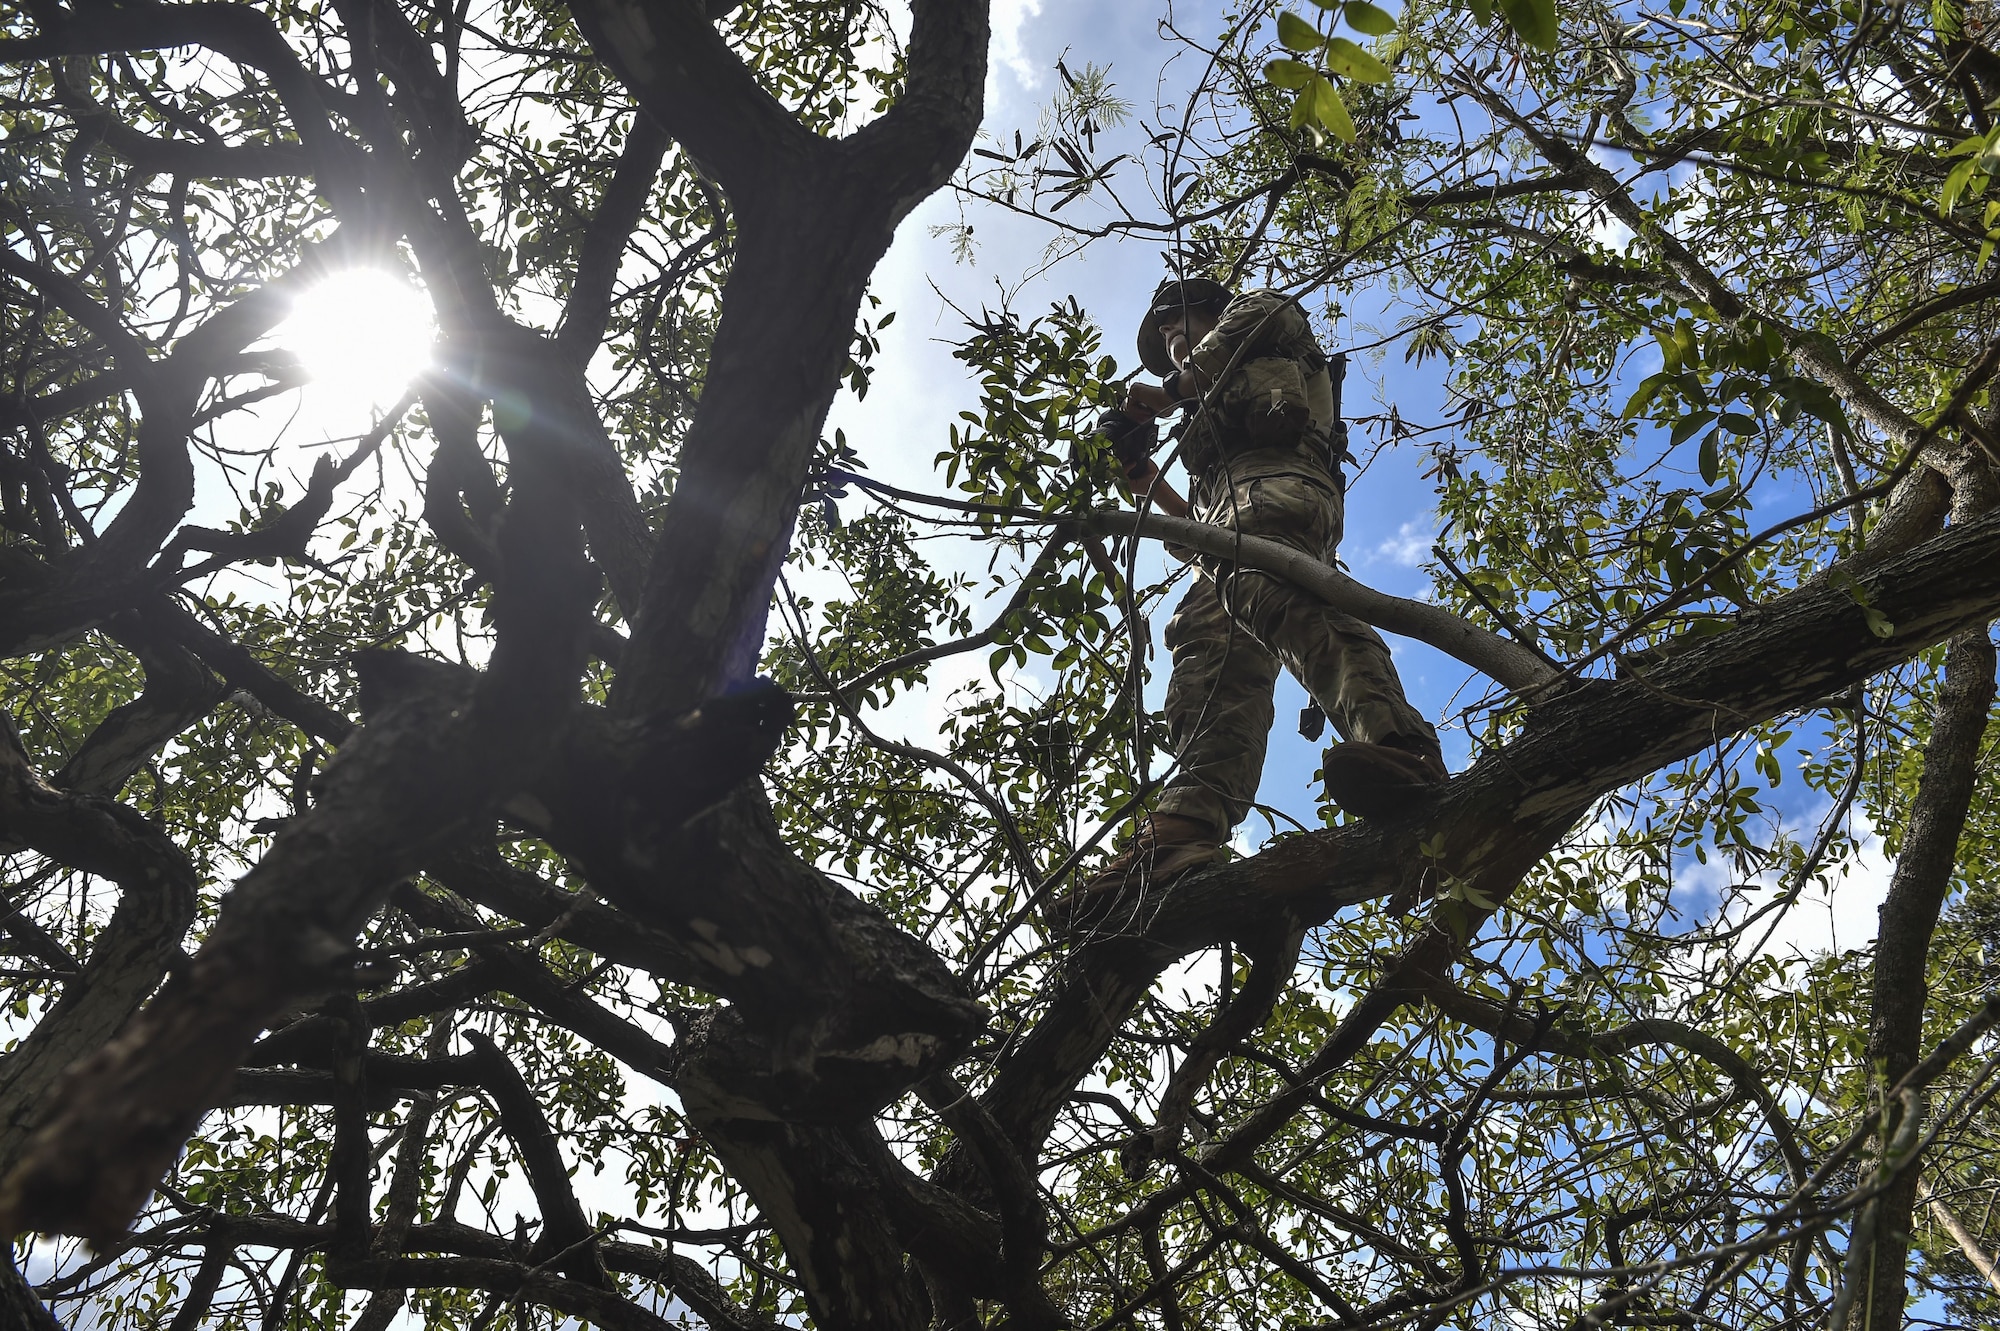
{"points": [[1182, 330]]}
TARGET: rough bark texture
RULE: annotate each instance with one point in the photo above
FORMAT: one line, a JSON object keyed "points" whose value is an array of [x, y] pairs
{"points": [[1925, 870], [20, 1310], [156, 905], [1968, 1243]]}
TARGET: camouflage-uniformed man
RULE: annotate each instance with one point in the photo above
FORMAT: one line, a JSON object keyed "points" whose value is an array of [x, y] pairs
{"points": [[1257, 435]]}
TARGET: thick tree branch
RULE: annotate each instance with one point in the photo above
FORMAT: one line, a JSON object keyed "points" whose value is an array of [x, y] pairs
{"points": [[158, 886], [858, 1007], [1925, 870], [179, 691], [201, 1289], [566, 1237], [1510, 663], [588, 309], [680, 69], [1496, 821], [241, 670], [437, 758], [477, 872], [283, 933], [521, 974], [831, 1194], [387, 1076], [573, 1298], [544, 411], [914, 147], [792, 293], [19, 1308], [351, 1165]]}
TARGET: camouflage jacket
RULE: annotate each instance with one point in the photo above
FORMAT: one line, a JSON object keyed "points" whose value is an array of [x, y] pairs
{"points": [[1217, 453]]}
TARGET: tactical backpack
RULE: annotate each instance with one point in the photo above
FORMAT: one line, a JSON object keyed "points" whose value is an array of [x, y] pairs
{"points": [[1270, 402], [1266, 399]]}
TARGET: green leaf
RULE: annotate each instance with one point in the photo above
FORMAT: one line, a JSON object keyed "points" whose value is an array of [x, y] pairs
{"points": [[1331, 112], [1482, 10], [1534, 20], [1457, 889], [1710, 460], [1371, 19], [1302, 109], [1289, 73], [1347, 58], [1954, 186], [1685, 429], [1690, 347], [1648, 390], [1738, 423], [1297, 34], [1670, 351]]}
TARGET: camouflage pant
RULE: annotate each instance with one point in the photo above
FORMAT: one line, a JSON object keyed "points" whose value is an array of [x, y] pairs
{"points": [[1236, 626]]}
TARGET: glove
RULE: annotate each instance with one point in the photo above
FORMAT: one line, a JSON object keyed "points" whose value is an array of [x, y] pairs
{"points": [[1132, 442]]}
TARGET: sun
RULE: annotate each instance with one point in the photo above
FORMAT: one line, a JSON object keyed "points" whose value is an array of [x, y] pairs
{"points": [[363, 333]]}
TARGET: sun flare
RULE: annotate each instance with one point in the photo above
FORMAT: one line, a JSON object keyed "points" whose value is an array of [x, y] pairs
{"points": [[363, 333]]}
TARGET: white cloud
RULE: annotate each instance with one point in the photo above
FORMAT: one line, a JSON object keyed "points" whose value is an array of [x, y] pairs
{"points": [[1009, 18], [1611, 233], [1842, 915], [1407, 548], [1836, 915]]}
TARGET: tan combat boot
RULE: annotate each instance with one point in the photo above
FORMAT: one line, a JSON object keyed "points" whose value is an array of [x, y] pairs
{"points": [[1380, 780], [1165, 847]]}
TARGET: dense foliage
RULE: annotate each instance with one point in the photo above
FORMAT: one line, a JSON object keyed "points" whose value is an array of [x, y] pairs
{"points": [[1704, 299]]}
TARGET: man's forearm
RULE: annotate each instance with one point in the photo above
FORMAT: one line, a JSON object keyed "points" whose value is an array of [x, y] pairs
{"points": [[1148, 485]]}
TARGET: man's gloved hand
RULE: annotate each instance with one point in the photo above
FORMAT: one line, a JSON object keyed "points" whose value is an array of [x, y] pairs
{"points": [[1144, 401], [1132, 441]]}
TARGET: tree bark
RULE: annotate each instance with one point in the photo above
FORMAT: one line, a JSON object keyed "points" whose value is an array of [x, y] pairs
{"points": [[1968, 1242], [158, 887], [20, 1310], [1917, 892], [813, 218]]}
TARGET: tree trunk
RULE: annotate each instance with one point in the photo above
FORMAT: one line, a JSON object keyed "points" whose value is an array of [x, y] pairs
{"points": [[1902, 949]]}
